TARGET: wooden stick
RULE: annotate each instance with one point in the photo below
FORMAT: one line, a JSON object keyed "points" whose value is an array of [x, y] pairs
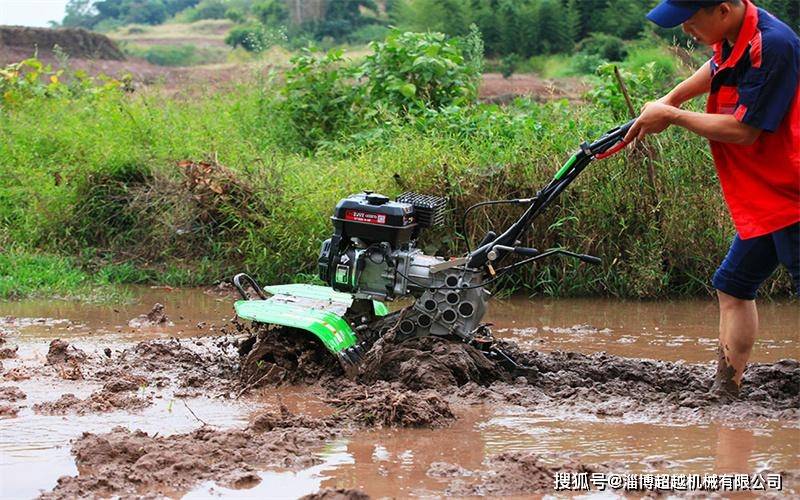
{"points": [[651, 173]]}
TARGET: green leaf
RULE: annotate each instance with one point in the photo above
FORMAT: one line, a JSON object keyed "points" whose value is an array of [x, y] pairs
{"points": [[408, 90]]}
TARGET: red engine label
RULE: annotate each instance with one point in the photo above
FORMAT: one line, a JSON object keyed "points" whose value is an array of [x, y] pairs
{"points": [[368, 217]]}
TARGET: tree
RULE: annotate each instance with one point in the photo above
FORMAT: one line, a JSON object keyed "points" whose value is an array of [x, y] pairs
{"points": [[78, 14], [343, 17], [149, 12], [272, 12], [623, 18], [573, 17], [554, 30]]}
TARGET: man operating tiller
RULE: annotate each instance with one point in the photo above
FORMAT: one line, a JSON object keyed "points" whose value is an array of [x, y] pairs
{"points": [[753, 125]]}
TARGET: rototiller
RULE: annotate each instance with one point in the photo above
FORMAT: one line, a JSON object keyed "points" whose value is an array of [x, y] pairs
{"points": [[372, 258]]}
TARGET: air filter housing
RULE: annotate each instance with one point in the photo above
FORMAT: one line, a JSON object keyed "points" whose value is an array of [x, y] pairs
{"points": [[428, 210]]}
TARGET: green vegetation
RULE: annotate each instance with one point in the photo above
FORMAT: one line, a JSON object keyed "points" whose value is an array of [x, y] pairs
{"points": [[524, 28], [177, 55], [148, 188]]}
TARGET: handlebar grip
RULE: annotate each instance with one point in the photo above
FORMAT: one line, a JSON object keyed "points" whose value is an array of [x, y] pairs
{"points": [[529, 252]]}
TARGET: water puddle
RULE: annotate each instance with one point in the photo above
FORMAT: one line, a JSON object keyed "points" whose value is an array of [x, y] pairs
{"points": [[669, 331]]}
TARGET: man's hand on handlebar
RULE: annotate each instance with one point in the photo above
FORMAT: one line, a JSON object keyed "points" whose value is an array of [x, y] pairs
{"points": [[655, 117]]}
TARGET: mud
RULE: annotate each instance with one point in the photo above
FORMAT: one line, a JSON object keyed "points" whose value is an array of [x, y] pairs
{"points": [[8, 352], [127, 463], [8, 411], [596, 384], [19, 373], [274, 356], [101, 401], [429, 363], [61, 352], [511, 473], [11, 394], [155, 318], [337, 494], [616, 386], [390, 405], [188, 368], [416, 383], [725, 385], [196, 366]]}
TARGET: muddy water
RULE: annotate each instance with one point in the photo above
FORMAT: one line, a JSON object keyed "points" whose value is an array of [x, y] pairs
{"points": [[35, 450], [670, 331]]}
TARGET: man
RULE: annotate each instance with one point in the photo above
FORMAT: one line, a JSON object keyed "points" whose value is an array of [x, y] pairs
{"points": [[753, 125]]}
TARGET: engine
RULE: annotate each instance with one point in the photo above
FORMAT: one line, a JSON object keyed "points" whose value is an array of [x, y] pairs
{"points": [[372, 255]]}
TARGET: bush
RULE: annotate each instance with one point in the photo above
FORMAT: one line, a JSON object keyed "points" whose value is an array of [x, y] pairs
{"points": [[417, 71], [255, 37], [271, 12], [235, 15], [407, 76], [645, 82], [207, 9], [608, 47], [319, 95], [32, 79], [585, 64]]}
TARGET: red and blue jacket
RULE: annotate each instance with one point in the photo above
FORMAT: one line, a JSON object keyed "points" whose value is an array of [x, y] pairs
{"points": [[756, 81]]}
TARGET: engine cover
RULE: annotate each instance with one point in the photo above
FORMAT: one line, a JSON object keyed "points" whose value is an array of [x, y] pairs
{"points": [[372, 218]]}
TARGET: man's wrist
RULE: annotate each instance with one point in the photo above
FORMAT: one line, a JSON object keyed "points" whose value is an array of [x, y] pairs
{"points": [[674, 115]]}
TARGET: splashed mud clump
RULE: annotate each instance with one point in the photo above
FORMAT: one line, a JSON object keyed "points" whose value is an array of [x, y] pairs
{"points": [[12, 394], [8, 352], [337, 494], [156, 317], [124, 462], [61, 352], [429, 363], [8, 411], [275, 356], [390, 405], [511, 473], [101, 401]]}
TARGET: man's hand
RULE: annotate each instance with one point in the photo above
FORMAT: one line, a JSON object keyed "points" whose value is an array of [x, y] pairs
{"points": [[656, 116]]}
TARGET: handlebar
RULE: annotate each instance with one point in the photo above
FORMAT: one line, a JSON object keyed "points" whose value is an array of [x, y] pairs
{"points": [[608, 144], [611, 142]]}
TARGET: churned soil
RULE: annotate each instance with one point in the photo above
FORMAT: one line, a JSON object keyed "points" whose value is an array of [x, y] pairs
{"points": [[126, 463], [12, 394], [187, 368], [386, 404], [510, 473], [337, 494], [598, 384], [118, 394], [415, 383]]}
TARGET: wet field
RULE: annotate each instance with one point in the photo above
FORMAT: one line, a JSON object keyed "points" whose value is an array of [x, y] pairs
{"points": [[458, 456]]}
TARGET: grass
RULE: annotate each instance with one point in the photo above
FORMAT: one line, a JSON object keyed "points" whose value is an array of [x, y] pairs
{"points": [[213, 30], [93, 190], [178, 55], [25, 275]]}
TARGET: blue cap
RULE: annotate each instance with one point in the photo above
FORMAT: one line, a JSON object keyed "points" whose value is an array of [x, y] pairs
{"points": [[670, 13]]}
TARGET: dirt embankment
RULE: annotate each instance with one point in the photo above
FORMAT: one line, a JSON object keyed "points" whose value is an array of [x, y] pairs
{"points": [[76, 42]]}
